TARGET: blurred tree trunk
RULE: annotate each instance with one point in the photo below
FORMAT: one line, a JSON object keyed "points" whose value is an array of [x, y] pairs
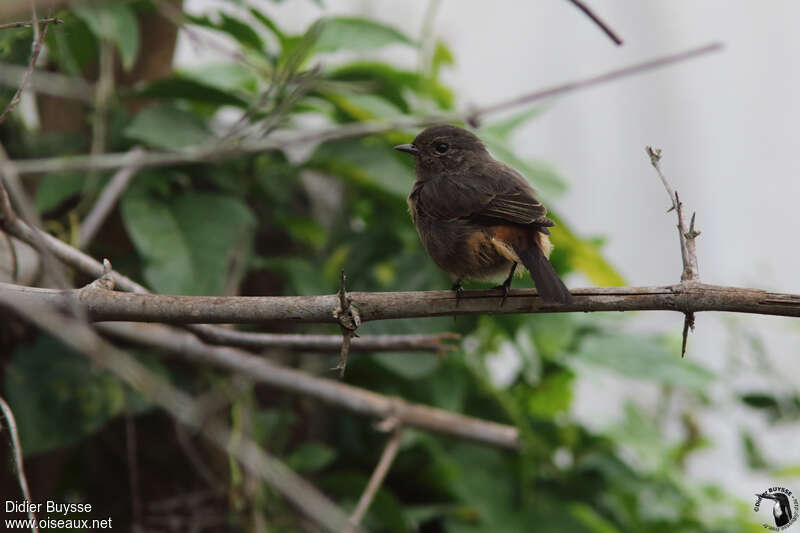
{"points": [[157, 36]]}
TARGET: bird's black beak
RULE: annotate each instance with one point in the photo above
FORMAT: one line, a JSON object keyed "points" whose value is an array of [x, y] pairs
{"points": [[765, 495], [407, 148]]}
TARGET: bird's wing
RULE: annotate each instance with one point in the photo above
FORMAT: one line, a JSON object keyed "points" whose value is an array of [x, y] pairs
{"points": [[490, 192]]}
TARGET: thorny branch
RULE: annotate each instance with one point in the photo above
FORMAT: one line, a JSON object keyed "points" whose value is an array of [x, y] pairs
{"points": [[228, 149], [103, 305], [349, 320], [690, 274]]}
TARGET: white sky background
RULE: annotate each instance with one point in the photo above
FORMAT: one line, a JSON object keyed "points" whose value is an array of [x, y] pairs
{"points": [[728, 126]]}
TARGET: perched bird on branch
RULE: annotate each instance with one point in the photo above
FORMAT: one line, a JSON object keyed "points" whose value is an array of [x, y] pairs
{"points": [[478, 218]]}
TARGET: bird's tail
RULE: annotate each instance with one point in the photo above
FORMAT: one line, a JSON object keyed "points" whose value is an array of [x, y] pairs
{"points": [[548, 284]]}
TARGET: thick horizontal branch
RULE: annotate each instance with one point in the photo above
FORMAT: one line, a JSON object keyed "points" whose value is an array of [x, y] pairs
{"points": [[346, 396], [105, 305], [216, 334]]}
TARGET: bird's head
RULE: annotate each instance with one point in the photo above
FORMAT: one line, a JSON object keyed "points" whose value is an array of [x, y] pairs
{"points": [[776, 496], [444, 149]]}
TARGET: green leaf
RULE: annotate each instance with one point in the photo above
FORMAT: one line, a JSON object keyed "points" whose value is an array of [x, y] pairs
{"points": [[394, 85], [369, 161], [311, 457], [57, 397], [268, 24], [303, 277], [185, 88], [642, 357], [552, 334], [504, 128], [752, 451], [592, 519], [73, 46], [792, 471], [190, 244], [410, 365], [640, 434], [363, 107], [116, 22], [441, 56], [760, 401], [55, 188], [552, 396], [223, 76], [241, 32], [237, 29], [167, 127], [356, 34], [584, 256]]}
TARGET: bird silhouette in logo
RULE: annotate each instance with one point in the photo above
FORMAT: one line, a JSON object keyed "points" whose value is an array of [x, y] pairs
{"points": [[782, 511]]}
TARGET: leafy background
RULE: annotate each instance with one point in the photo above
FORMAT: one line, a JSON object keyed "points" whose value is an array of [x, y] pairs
{"points": [[286, 222]]}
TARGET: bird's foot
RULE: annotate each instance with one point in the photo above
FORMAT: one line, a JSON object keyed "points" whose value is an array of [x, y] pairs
{"points": [[506, 288], [459, 291]]}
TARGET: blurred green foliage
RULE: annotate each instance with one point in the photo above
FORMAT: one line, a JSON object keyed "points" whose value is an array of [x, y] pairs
{"points": [[288, 223]]}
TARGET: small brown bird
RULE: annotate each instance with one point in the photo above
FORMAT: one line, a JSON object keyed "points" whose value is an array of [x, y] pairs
{"points": [[478, 218]]}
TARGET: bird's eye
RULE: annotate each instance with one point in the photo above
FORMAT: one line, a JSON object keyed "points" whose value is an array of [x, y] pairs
{"points": [[441, 147]]}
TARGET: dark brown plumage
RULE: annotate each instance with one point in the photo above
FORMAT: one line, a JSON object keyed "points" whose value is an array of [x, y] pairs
{"points": [[478, 218]]}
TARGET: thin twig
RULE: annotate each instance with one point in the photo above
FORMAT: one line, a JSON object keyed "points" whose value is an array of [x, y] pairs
{"points": [[688, 252], [204, 153], [690, 273], [602, 25], [108, 198], [198, 463], [422, 342], [16, 449], [37, 48], [133, 473], [378, 475], [26, 23], [35, 21]]}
